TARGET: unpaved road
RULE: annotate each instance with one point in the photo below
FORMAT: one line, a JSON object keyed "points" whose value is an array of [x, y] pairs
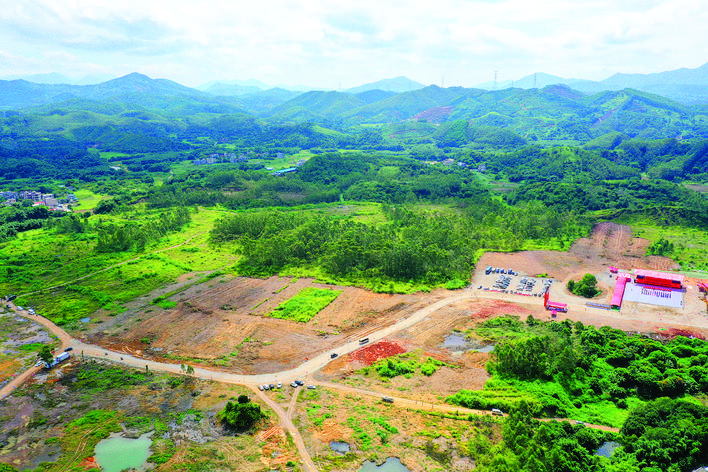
{"points": [[302, 371], [64, 339], [287, 423]]}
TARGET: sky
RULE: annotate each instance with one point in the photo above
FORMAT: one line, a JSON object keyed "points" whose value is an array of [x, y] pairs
{"points": [[332, 44]]}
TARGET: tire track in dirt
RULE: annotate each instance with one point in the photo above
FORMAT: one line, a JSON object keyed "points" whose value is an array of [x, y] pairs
{"points": [[288, 425], [293, 402], [419, 405], [82, 445]]}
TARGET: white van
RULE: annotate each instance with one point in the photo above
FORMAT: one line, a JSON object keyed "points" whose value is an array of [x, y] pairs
{"points": [[497, 412]]}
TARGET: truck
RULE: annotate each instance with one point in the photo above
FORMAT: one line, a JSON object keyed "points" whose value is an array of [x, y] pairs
{"points": [[387, 399], [363, 340], [60, 358]]}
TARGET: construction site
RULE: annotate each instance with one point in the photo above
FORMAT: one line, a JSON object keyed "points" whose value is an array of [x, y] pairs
{"points": [[222, 323]]}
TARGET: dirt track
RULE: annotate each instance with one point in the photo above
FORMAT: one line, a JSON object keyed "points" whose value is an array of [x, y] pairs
{"points": [[609, 244], [214, 320], [220, 323]]}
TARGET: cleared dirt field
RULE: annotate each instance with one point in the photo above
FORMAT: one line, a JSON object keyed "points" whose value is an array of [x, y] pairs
{"points": [[609, 244], [223, 323]]}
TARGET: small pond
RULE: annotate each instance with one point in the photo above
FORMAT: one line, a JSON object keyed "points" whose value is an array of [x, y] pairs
{"points": [[455, 340], [607, 449], [392, 464], [458, 342], [339, 447], [117, 453]]}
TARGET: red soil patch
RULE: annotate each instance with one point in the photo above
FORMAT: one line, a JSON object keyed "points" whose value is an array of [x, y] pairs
{"points": [[671, 333], [485, 310], [89, 463], [378, 351]]}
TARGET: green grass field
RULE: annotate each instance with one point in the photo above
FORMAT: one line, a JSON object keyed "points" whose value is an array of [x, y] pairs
{"points": [[49, 265], [690, 244], [87, 200], [305, 305]]}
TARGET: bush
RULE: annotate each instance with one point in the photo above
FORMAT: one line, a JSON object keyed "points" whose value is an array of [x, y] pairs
{"points": [[587, 287], [242, 416], [455, 284]]}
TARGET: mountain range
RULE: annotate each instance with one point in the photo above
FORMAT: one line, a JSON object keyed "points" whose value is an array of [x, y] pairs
{"points": [[687, 86], [547, 112]]}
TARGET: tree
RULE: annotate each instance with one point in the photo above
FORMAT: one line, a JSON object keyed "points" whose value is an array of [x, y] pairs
{"points": [[190, 370], [105, 206], [46, 354], [242, 416], [587, 287]]}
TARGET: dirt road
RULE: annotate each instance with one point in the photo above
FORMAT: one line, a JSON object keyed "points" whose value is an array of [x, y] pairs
{"points": [[64, 339], [302, 371], [440, 407], [288, 425]]}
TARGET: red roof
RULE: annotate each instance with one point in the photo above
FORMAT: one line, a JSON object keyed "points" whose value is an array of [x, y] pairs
{"points": [[619, 291], [660, 275]]}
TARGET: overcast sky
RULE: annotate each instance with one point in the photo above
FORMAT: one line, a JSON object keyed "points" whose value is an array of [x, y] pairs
{"points": [[328, 43]]}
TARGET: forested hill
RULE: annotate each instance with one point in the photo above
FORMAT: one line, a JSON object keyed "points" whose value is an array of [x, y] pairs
{"points": [[555, 113], [131, 91]]}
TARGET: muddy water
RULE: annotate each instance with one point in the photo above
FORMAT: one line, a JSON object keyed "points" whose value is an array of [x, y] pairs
{"points": [[392, 464], [118, 453], [459, 343], [339, 447]]}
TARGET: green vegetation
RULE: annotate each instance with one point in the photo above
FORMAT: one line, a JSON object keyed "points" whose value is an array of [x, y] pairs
{"points": [[688, 246], [587, 287], [663, 435], [39, 259], [531, 445], [668, 435], [94, 377], [405, 364], [45, 353], [581, 372], [242, 415], [306, 304], [409, 245]]}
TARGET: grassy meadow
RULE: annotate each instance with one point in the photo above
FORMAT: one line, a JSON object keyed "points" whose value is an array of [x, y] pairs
{"points": [[68, 279], [690, 244], [305, 305]]}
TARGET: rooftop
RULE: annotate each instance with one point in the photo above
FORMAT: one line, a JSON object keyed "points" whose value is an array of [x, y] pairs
{"points": [[659, 275]]}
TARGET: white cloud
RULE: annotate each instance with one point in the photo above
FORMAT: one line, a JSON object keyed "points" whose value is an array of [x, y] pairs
{"points": [[324, 42]]}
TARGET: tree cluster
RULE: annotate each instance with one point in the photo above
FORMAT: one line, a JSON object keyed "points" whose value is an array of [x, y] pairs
{"points": [[408, 245], [242, 415], [587, 287]]}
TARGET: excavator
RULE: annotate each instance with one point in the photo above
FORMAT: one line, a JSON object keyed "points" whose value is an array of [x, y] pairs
{"points": [[703, 288]]}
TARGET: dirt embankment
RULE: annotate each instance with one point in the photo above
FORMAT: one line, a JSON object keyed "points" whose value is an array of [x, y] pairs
{"points": [[609, 244]]}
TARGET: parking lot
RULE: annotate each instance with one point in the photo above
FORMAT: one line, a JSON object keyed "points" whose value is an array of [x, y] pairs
{"points": [[507, 280]]}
